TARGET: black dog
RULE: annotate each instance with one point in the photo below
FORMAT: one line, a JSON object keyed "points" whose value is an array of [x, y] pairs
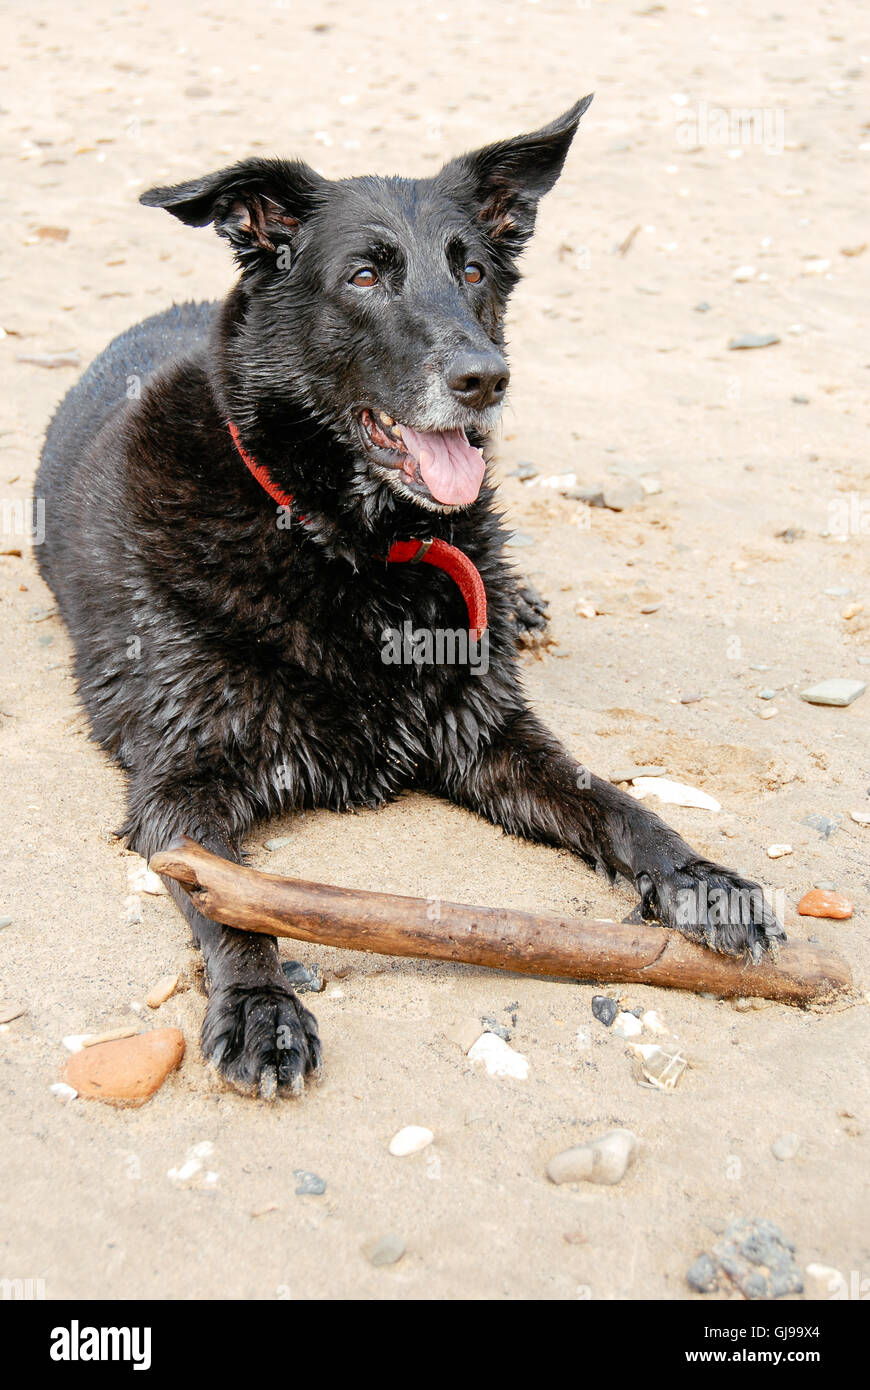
{"points": [[231, 649]]}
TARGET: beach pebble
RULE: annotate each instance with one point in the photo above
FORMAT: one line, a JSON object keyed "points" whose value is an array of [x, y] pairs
{"points": [[820, 903], [757, 1258], [604, 1009], [628, 774], [309, 1184], [9, 1010], [5, 921], [141, 879], [859, 817], [779, 851], [63, 1091], [490, 1025], [744, 273], [127, 1071], [823, 1281], [835, 692], [627, 1025], [770, 713], [623, 495], [305, 979], [702, 1275], [753, 340], [766, 693], [826, 825], [747, 1004], [785, 1146], [851, 611], [604, 1160], [386, 1250], [163, 990], [673, 793], [410, 1140], [651, 1020], [499, 1057]]}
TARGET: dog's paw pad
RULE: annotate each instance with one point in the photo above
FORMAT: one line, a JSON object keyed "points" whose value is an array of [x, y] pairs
{"points": [[261, 1040]]}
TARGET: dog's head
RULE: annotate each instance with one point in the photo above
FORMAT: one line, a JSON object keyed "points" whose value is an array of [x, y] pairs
{"points": [[375, 305]]}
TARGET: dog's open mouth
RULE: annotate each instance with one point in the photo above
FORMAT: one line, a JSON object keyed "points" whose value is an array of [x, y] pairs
{"points": [[442, 464]]}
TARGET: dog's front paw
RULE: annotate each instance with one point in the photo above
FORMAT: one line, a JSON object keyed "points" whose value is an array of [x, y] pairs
{"points": [[261, 1039], [530, 617], [712, 904]]}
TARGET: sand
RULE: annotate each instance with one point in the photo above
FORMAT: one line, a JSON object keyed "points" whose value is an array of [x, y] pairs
{"points": [[616, 375]]}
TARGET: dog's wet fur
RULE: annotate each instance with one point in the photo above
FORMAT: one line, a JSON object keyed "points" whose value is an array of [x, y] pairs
{"points": [[228, 653]]}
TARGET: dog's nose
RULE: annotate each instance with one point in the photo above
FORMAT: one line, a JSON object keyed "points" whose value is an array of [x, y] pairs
{"points": [[478, 379]]}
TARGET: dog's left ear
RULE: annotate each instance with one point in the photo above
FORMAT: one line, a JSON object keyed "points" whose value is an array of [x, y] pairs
{"points": [[505, 181], [257, 204]]}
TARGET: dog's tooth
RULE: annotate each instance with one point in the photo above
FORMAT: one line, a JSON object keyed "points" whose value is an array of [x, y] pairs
{"points": [[387, 420]]}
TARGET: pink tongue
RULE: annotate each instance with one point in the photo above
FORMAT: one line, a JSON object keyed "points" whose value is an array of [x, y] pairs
{"points": [[451, 469]]}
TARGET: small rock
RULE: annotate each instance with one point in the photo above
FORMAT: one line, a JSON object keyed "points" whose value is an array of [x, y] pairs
{"points": [[628, 774], [702, 307], [834, 692], [163, 990], [767, 693], [604, 1160], [859, 817], [605, 1009], [827, 884], [757, 1258], [141, 879], [63, 1091], [5, 921], [627, 1025], [820, 903], [851, 611], [410, 1140], [305, 979], [524, 471], [499, 1057], [754, 340], [8, 1011], [815, 265], [624, 495], [490, 1025], [651, 1020], [310, 1185], [744, 273], [778, 851], [693, 698], [770, 713], [387, 1250], [826, 825], [823, 1281], [278, 842], [702, 1275], [747, 1004], [127, 1071], [785, 1146]]}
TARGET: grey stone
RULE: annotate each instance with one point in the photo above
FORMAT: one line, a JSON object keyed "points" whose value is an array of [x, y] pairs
{"points": [[702, 1275], [768, 693], [759, 1259], [604, 1160], [785, 1146], [387, 1250], [605, 1009], [754, 340], [5, 921], [624, 495], [834, 692], [278, 843], [826, 825], [310, 1185], [304, 979]]}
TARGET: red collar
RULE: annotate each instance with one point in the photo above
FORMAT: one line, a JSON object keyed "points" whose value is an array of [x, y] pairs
{"points": [[448, 558]]}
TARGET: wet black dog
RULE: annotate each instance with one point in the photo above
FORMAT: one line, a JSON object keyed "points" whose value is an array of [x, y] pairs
{"points": [[242, 656]]}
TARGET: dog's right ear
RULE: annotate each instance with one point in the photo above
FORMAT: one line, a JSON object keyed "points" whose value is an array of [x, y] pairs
{"points": [[257, 204]]}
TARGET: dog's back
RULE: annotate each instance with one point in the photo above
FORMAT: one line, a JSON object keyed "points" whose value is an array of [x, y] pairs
{"points": [[111, 381]]}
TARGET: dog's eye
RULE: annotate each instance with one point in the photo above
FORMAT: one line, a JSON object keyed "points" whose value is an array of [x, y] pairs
{"points": [[365, 278], [473, 274]]}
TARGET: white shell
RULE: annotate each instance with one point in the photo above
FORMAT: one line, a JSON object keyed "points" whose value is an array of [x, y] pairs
{"points": [[674, 793], [410, 1140], [627, 1026]]}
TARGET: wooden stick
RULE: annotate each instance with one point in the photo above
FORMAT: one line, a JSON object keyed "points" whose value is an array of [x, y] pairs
{"points": [[499, 938]]}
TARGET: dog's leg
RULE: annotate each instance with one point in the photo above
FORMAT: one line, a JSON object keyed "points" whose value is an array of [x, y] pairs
{"points": [[255, 1031], [530, 616], [526, 782]]}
